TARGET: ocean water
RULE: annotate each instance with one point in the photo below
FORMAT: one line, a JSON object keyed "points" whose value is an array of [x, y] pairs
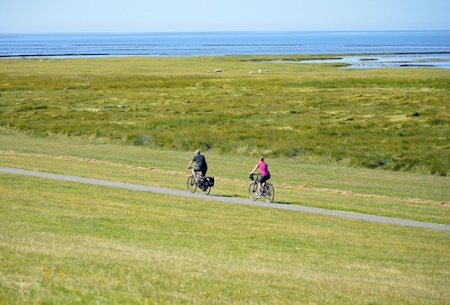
{"points": [[397, 43]]}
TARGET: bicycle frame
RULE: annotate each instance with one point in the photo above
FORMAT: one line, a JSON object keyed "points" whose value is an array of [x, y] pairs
{"points": [[267, 189], [194, 181], [258, 179]]}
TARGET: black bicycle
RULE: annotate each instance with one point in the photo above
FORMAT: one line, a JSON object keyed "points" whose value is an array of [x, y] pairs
{"points": [[203, 182], [267, 189]]}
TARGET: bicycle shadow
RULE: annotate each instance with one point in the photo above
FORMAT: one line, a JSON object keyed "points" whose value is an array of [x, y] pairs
{"points": [[238, 197], [281, 202]]}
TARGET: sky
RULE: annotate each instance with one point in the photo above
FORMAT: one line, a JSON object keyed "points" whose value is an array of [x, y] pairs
{"points": [[79, 16]]}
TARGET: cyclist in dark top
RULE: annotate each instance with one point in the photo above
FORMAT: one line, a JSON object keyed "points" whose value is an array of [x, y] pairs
{"points": [[200, 164]]}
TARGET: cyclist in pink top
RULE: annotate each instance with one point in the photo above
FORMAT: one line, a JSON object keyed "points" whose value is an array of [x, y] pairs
{"points": [[265, 174]]}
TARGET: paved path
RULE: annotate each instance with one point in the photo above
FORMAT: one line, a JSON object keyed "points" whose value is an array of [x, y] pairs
{"points": [[137, 187]]}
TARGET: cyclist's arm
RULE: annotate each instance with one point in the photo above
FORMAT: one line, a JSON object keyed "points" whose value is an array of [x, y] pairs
{"points": [[190, 163], [253, 171]]}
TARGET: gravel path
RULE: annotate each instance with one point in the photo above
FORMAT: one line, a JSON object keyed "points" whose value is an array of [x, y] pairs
{"points": [[137, 187]]}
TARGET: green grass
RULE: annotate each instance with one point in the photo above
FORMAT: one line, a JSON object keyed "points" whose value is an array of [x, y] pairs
{"points": [[396, 194], [67, 243], [327, 135], [396, 119]]}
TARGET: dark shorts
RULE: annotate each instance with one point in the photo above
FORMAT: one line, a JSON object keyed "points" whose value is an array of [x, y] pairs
{"points": [[198, 169], [264, 178]]}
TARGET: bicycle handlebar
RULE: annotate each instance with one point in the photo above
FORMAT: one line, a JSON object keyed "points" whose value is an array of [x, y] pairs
{"points": [[257, 176]]}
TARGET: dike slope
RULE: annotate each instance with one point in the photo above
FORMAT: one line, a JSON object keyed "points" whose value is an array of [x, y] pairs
{"points": [[137, 187]]}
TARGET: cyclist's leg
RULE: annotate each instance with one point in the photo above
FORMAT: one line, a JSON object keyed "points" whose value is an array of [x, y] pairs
{"points": [[262, 183], [194, 173], [201, 174], [258, 195]]}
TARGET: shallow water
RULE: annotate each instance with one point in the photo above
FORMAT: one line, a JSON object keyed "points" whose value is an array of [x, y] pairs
{"points": [[407, 48], [396, 60]]}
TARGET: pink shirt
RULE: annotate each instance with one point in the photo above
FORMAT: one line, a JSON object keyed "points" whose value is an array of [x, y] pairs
{"points": [[263, 168]]}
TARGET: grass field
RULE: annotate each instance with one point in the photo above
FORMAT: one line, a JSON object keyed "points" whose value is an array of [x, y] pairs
{"points": [[137, 120], [397, 194], [64, 243], [395, 119]]}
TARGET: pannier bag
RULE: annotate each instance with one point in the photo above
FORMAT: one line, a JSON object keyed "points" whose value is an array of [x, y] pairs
{"points": [[210, 181]]}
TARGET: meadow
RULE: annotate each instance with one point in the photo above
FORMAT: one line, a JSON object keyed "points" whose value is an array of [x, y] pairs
{"points": [[70, 243], [67, 243], [395, 119], [138, 120]]}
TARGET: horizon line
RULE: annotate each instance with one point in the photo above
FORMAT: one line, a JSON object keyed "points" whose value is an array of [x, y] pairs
{"points": [[221, 31]]}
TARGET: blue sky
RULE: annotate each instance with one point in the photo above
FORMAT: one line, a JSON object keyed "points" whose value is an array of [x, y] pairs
{"points": [[58, 16]]}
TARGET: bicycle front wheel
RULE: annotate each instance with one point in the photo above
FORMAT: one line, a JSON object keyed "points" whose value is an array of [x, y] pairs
{"points": [[191, 185], [253, 191], [269, 194]]}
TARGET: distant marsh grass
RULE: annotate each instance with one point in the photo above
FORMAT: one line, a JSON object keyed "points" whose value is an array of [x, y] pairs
{"points": [[395, 119]]}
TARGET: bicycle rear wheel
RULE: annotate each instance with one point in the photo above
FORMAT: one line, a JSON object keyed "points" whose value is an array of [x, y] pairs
{"points": [[269, 194], [207, 190], [253, 191], [191, 185]]}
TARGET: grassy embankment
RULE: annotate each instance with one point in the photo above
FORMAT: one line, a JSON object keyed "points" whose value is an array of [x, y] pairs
{"points": [[65, 242], [397, 194]]}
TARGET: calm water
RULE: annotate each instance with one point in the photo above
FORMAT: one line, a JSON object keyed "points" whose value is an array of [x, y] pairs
{"points": [[228, 43]]}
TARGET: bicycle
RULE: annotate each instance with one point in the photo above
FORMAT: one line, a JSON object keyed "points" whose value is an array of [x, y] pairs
{"points": [[203, 182], [268, 191]]}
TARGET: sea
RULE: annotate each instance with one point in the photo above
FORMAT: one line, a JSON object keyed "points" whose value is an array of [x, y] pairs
{"points": [[361, 49]]}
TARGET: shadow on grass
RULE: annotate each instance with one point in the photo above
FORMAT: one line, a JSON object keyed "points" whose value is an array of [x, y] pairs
{"points": [[281, 202]]}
